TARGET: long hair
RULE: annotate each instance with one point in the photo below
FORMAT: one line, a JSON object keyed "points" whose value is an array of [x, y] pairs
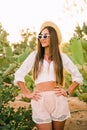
{"points": [[55, 53]]}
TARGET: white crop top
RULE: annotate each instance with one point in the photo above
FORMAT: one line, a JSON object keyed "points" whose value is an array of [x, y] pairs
{"points": [[47, 72]]}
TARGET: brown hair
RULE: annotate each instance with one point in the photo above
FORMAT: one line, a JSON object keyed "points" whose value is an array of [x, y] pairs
{"points": [[55, 53]]}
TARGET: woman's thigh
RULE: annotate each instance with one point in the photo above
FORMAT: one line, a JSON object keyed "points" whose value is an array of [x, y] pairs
{"points": [[45, 126], [56, 125]]}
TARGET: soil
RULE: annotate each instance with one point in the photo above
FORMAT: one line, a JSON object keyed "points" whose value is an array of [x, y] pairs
{"points": [[78, 119]]}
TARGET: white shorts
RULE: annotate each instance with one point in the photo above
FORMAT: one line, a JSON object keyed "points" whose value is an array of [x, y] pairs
{"points": [[50, 108]]}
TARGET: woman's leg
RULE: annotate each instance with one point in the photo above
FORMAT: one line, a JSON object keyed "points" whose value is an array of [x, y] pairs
{"points": [[46, 126], [56, 125]]}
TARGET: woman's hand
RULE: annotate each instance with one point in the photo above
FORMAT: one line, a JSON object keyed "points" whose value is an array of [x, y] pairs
{"points": [[35, 95], [60, 91]]}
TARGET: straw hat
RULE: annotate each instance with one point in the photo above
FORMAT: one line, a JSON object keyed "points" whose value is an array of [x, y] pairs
{"points": [[51, 24]]}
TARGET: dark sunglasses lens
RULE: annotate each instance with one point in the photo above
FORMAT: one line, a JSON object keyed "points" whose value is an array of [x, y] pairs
{"points": [[39, 37], [45, 36]]}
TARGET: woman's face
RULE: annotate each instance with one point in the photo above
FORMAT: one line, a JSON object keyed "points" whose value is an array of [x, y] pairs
{"points": [[45, 38]]}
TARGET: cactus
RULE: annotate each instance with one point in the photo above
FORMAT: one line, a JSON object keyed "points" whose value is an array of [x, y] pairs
{"points": [[9, 70], [23, 56], [77, 51]]}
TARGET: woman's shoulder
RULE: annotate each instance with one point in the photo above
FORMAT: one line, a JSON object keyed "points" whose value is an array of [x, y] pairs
{"points": [[63, 55], [33, 53], [31, 56], [65, 58]]}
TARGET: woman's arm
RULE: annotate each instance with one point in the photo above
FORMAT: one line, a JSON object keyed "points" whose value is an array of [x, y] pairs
{"points": [[72, 87], [35, 95], [72, 69], [77, 78], [19, 77], [25, 68], [25, 91], [60, 91]]}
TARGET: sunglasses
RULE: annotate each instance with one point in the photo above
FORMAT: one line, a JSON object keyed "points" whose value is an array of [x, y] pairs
{"points": [[43, 36]]}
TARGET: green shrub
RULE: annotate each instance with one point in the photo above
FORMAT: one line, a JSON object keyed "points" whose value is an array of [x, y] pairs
{"points": [[83, 97], [16, 120]]}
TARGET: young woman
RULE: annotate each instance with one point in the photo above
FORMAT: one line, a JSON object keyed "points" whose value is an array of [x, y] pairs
{"points": [[49, 99]]}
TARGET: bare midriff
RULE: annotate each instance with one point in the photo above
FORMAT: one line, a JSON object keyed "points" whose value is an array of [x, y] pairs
{"points": [[46, 86]]}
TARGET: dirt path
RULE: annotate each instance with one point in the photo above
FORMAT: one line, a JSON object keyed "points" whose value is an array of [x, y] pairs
{"points": [[78, 120]]}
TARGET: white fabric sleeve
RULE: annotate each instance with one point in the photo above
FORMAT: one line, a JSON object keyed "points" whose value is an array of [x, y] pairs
{"points": [[72, 69], [24, 68]]}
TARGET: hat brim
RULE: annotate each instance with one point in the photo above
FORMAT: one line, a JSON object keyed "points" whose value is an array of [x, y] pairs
{"points": [[51, 24]]}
